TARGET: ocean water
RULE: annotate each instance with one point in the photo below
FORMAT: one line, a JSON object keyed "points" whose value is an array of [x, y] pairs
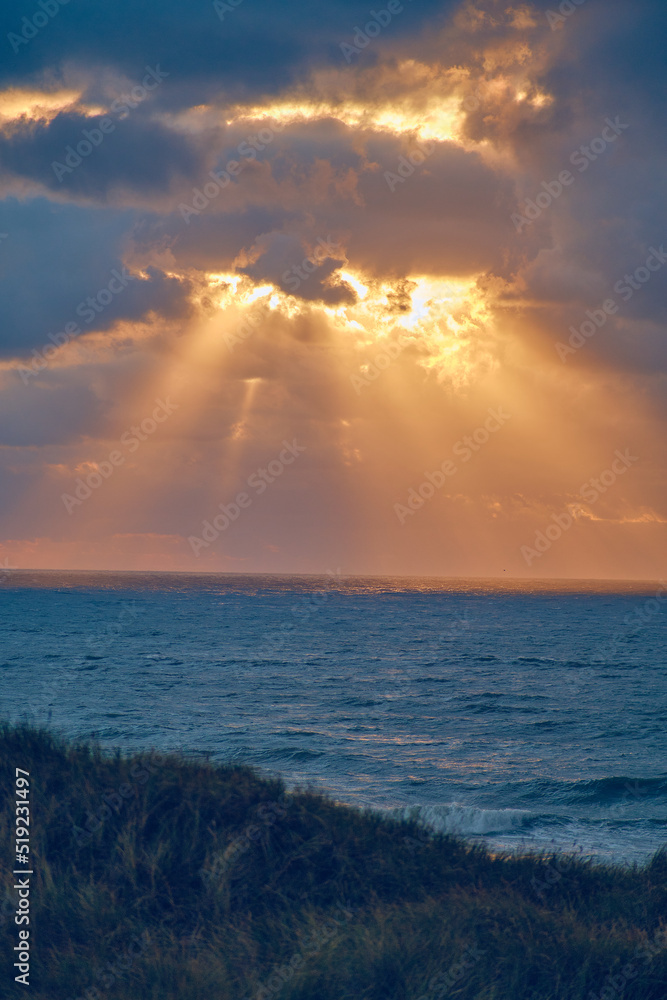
{"points": [[528, 716]]}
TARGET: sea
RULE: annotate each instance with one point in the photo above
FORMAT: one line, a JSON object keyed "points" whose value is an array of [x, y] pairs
{"points": [[524, 715]]}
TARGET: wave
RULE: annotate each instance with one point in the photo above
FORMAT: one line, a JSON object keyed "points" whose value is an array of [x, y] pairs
{"points": [[290, 753], [606, 790], [455, 818]]}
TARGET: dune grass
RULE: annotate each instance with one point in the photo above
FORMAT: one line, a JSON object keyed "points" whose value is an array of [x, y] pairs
{"points": [[160, 877]]}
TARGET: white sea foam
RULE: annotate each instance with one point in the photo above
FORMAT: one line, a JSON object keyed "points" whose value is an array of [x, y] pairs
{"points": [[455, 818]]}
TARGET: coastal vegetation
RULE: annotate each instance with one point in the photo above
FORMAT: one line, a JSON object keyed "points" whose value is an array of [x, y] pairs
{"points": [[168, 876]]}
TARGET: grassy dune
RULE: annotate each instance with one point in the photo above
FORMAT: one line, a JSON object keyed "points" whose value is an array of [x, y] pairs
{"points": [[159, 877]]}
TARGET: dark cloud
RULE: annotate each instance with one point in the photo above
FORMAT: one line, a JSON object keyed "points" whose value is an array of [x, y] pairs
{"points": [[308, 272], [59, 257], [59, 412], [258, 48], [442, 211], [73, 157], [598, 65]]}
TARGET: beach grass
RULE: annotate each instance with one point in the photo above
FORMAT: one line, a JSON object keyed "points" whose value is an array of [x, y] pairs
{"points": [[166, 876]]}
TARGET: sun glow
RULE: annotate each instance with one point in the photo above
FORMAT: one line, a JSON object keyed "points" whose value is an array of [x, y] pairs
{"points": [[440, 120], [447, 322], [34, 105], [432, 107]]}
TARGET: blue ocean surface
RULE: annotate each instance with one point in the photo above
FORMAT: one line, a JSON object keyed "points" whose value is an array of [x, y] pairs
{"points": [[525, 715]]}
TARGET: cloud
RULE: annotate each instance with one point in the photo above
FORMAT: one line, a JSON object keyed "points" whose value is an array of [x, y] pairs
{"points": [[59, 414], [258, 48], [61, 256], [139, 156], [370, 231], [286, 262]]}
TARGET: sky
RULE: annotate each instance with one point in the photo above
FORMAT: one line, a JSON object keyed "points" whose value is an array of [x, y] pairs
{"points": [[323, 288]]}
